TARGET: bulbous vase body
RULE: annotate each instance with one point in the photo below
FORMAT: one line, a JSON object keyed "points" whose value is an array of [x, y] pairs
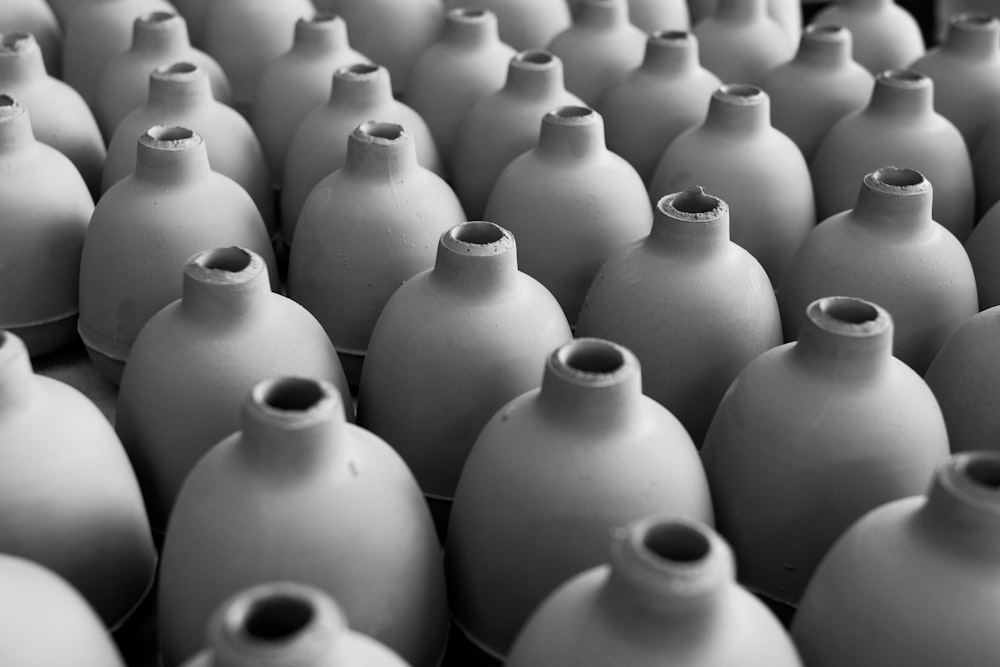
{"points": [[525, 24], [36, 18], [740, 41], [788, 14], [981, 247], [886, 36]]}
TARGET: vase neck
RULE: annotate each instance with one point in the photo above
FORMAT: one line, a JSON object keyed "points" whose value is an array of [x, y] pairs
{"points": [[476, 257], [690, 223], [20, 59], [16, 374], [740, 109], [895, 198], [902, 93], [593, 382], [324, 32], [170, 155], [571, 134], [15, 125], [180, 85], [603, 14], [963, 505], [825, 45], [469, 27], [380, 151], [160, 32], [361, 85], [671, 51], [225, 285], [973, 35], [534, 75], [845, 337], [741, 10]]}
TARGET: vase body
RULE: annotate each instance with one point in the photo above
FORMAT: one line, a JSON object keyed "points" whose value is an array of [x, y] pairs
{"points": [[886, 36], [740, 41], [602, 454], [37, 18], [876, 597], [694, 307], [889, 250], [318, 501], [772, 199], [525, 24], [788, 14], [985, 164], [655, 15], [832, 415], [145, 229], [981, 247]]}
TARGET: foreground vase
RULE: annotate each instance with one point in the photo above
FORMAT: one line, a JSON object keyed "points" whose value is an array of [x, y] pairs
{"points": [[36, 18], [602, 454], [886, 36], [525, 24], [70, 499], [668, 596], [694, 307], [876, 598], [889, 250], [832, 415], [316, 500], [740, 41]]}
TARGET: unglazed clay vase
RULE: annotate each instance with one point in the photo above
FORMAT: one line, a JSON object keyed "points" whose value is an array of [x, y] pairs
{"points": [[315, 500], [667, 597], [70, 499], [658, 101], [524, 24], [657, 15], [738, 156], [285, 624], [878, 596], [886, 36], [981, 247], [550, 475], [693, 306], [190, 369], [319, 146], [46, 209], [467, 62], [452, 346], [59, 116], [365, 229], [816, 89], [297, 82], [159, 39], [887, 249], [571, 202], [740, 41], [37, 18], [599, 49], [503, 125], [144, 230], [899, 126], [181, 94], [833, 415], [788, 14], [945, 9]]}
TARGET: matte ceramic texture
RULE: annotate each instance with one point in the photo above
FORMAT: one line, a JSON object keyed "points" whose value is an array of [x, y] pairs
{"points": [[816, 89], [899, 126], [985, 167], [788, 14], [190, 369], [365, 229], [315, 500], [667, 596], [739, 157], [601, 455], [889, 250], [878, 596], [525, 24], [668, 94], [599, 49], [740, 41], [284, 624], [981, 246], [653, 15], [144, 230], [453, 345], [46, 210], [833, 415], [693, 306], [503, 125], [37, 18], [360, 93], [886, 36], [70, 498]]}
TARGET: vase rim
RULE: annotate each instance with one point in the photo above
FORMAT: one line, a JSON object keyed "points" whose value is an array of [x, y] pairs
{"points": [[225, 266], [478, 238], [10, 107], [469, 15], [826, 32], [17, 42], [170, 138], [974, 477], [158, 20], [897, 181], [693, 205], [319, 20], [572, 115], [974, 21], [903, 79], [380, 133], [295, 402], [179, 71], [740, 94], [360, 72], [593, 362], [535, 59], [671, 37], [849, 316]]}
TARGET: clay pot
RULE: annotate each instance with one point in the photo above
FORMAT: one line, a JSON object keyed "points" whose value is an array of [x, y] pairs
{"points": [[658, 101], [36, 18], [877, 597], [740, 41], [899, 126], [70, 499], [284, 624], [525, 24], [315, 500], [158, 39], [772, 196], [572, 203], [365, 229], [360, 93], [833, 415], [668, 596], [693, 306], [816, 89], [601, 454], [297, 82], [452, 346], [143, 231], [886, 36], [191, 367]]}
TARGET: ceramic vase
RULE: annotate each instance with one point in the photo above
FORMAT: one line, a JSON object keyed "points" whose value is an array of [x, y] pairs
{"points": [[740, 41], [452, 346], [144, 230], [365, 229], [193, 363], [877, 597], [37, 18], [652, 16], [668, 94], [788, 14], [833, 415], [70, 499], [886, 36], [525, 24], [667, 596], [738, 156], [571, 202], [315, 500], [981, 247], [816, 89], [601, 454], [693, 306]]}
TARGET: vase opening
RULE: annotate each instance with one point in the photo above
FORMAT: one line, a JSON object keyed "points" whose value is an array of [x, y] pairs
{"points": [[539, 58], [471, 14], [182, 71], [156, 19], [232, 260], [671, 37], [904, 79], [16, 42], [983, 472], [477, 233], [848, 311], [591, 357], [358, 71], [165, 137], [9, 107], [850, 317], [676, 542], [897, 181], [377, 130], [276, 618], [825, 30], [692, 204], [322, 17], [740, 94], [977, 21], [291, 394]]}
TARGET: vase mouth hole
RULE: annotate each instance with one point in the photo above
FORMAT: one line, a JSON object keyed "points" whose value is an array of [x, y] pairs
{"points": [[292, 394], [591, 357], [232, 260], [825, 31], [692, 205], [358, 71], [9, 107], [676, 542], [897, 181], [983, 471], [849, 311], [671, 37], [848, 316], [156, 19], [319, 19], [975, 21], [904, 79], [179, 71], [571, 115], [378, 132], [280, 617], [742, 94], [169, 137], [477, 238], [17, 41], [468, 14], [535, 59]]}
